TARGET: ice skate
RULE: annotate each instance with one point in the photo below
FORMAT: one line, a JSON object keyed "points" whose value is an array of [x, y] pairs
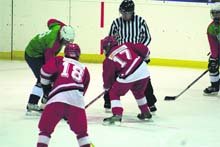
{"points": [[145, 115], [114, 120], [33, 110], [211, 91]]}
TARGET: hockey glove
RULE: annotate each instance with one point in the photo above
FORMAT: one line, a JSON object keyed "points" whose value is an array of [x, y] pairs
{"points": [[46, 89], [147, 58], [147, 61], [44, 99]]}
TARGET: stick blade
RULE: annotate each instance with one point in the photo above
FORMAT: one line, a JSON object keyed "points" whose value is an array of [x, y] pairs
{"points": [[169, 98]]}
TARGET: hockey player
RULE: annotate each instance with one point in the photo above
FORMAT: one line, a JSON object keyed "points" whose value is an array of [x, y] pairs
{"points": [[70, 80], [124, 69], [213, 33], [40, 49], [132, 28]]}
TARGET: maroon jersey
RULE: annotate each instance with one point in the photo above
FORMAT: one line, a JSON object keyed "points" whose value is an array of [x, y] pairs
{"points": [[122, 61], [66, 74], [70, 80]]}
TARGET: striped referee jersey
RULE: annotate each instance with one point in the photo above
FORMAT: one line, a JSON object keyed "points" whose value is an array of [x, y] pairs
{"points": [[134, 30]]}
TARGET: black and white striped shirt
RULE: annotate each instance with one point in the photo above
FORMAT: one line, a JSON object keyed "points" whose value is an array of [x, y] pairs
{"points": [[135, 30]]}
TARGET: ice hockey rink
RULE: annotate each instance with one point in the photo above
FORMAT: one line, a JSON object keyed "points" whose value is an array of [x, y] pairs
{"points": [[192, 120]]}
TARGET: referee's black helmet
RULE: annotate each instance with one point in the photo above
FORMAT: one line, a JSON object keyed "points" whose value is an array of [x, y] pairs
{"points": [[126, 6]]}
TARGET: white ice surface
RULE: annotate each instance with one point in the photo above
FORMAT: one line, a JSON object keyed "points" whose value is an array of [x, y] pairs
{"points": [[193, 120]]}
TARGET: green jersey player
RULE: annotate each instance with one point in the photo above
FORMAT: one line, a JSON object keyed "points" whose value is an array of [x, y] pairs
{"points": [[42, 48]]}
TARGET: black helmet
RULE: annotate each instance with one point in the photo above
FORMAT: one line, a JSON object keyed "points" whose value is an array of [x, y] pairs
{"points": [[126, 6]]}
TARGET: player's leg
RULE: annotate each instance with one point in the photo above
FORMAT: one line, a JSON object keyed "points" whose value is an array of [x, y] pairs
{"points": [[151, 98], [137, 89], [214, 77], [34, 98], [76, 118], [51, 115], [35, 64], [107, 102], [117, 90]]}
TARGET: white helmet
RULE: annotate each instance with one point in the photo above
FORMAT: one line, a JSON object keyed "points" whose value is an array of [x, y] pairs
{"points": [[215, 10], [215, 7], [67, 33]]}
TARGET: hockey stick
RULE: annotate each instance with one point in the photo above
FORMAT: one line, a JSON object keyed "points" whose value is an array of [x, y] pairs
{"points": [[167, 98], [95, 99]]}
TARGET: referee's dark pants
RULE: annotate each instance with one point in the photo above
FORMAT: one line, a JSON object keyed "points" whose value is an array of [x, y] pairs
{"points": [[149, 93]]}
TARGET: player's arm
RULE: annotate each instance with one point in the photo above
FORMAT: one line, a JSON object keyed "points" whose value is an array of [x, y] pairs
{"points": [[46, 85], [52, 44], [46, 73], [51, 52], [86, 80], [108, 74], [142, 51]]}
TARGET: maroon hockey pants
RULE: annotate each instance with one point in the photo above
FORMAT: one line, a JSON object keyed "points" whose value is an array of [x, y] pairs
{"points": [[120, 89], [53, 113]]}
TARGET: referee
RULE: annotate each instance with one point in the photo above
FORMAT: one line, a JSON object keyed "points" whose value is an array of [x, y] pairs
{"points": [[131, 28]]}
